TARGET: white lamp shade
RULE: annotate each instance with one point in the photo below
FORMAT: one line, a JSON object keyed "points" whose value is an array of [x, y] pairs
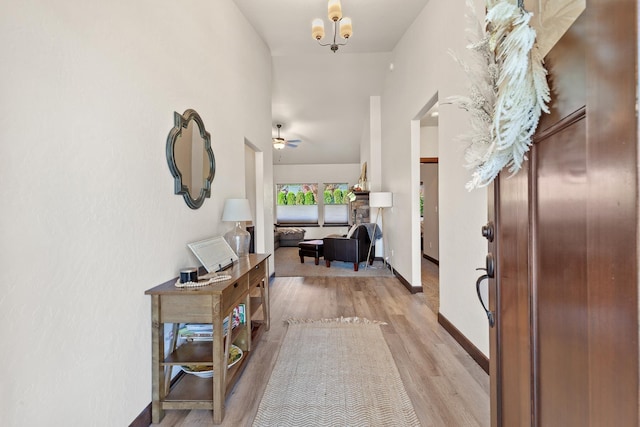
{"points": [[381, 200], [346, 28], [236, 210], [317, 29], [335, 10]]}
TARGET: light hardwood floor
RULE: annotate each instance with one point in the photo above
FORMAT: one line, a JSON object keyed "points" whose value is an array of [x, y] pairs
{"points": [[446, 386]]}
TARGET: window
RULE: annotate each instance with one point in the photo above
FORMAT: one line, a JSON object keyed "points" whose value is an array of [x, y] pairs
{"points": [[336, 209], [297, 204]]}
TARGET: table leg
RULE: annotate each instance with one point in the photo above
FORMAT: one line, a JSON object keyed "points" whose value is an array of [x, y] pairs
{"points": [[218, 364], [158, 391], [264, 290]]}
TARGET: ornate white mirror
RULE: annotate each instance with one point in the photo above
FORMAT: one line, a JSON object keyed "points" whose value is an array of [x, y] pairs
{"points": [[190, 158]]}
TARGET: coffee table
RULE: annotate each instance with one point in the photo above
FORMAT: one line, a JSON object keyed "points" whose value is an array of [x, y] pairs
{"points": [[312, 248]]}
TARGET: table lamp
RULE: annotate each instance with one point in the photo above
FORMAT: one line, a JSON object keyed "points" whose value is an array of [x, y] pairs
{"points": [[237, 210]]}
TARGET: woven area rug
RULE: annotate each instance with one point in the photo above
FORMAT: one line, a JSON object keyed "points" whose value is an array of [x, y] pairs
{"points": [[287, 262], [335, 372]]}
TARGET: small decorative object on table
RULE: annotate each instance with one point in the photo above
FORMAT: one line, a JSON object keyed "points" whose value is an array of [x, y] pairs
{"points": [[189, 275], [206, 371], [214, 253]]}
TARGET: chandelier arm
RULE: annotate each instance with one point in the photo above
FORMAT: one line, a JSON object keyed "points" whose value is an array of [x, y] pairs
{"points": [[332, 44], [318, 32]]}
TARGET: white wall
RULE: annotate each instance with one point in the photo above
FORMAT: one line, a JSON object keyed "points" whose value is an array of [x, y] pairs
{"points": [[423, 68], [429, 141], [89, 218], [374, 164], [250, 179], [365, 139], [335, 173]]}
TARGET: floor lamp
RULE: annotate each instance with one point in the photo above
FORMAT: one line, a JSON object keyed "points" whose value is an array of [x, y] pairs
{"points": [[379, 200]]}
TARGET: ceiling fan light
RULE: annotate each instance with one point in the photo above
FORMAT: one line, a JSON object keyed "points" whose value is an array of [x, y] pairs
{"points": [[278, 143], [335, 10], [317, 29], [346, 28]]}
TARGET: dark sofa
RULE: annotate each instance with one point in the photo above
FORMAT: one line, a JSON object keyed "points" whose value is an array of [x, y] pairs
{"points": [[349, 249], [287, 236]]}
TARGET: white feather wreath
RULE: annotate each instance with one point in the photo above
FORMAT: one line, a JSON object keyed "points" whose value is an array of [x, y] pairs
{"points": [[508, 91]]}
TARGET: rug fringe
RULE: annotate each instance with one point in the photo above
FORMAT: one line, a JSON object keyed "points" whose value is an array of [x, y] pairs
{"points": [[353, 320]]}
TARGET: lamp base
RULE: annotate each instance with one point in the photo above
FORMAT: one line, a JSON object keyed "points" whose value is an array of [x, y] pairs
{"points": [[239, 239]]}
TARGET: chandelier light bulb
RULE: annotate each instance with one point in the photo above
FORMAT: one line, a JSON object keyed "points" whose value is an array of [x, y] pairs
{"points": [[346, 29], [317, 29], [335, 10]]}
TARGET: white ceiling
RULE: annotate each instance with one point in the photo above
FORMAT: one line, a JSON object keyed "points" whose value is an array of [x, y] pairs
{"points": [[319, 96]]}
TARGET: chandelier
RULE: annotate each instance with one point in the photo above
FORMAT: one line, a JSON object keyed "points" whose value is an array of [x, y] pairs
{"points": [[335, 15], [278, 142]]}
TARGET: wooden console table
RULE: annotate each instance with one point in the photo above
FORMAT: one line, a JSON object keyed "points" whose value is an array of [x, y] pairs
{"points": [[249, 284]]}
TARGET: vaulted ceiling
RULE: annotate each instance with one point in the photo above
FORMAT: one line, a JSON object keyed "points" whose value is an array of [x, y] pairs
{"points": [[319, 96]]}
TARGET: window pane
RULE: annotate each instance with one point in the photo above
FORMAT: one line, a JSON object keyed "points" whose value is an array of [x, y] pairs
{"points": [[334, 193], [334, 197], [336, 214], [297, 203], [297, 214]]}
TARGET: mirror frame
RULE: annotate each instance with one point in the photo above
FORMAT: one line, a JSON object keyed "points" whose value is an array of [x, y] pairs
{"points": [[181, 121]]}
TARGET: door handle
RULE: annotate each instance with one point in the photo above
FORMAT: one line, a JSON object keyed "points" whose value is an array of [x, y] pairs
{"points": [[490, 316]]}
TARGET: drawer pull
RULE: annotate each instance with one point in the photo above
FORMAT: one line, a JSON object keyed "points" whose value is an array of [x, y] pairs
{"points": [[235, 285]]}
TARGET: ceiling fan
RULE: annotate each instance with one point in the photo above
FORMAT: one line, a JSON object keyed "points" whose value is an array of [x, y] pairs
{"points": [[279, 143]]}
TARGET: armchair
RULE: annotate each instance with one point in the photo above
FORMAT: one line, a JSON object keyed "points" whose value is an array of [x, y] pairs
{"points": [[348, 249]]}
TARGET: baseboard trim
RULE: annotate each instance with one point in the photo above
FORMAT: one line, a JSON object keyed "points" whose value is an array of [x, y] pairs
{"points": [[144, 419], [405, 282], [468, 346], [433, 260]]}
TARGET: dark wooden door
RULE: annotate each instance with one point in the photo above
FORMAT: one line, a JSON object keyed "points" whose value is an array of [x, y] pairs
{"points": [[564, 350]]}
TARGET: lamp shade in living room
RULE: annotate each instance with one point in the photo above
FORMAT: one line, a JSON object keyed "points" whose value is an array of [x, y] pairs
{"points": [[381, 200], [237, 210]]}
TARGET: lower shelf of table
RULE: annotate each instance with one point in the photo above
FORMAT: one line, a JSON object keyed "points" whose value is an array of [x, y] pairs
{"points": [[191, 392], [188, 389]]}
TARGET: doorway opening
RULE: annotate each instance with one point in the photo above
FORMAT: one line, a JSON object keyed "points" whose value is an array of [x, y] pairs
{"points": [[429, 200], [254, 192]]}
